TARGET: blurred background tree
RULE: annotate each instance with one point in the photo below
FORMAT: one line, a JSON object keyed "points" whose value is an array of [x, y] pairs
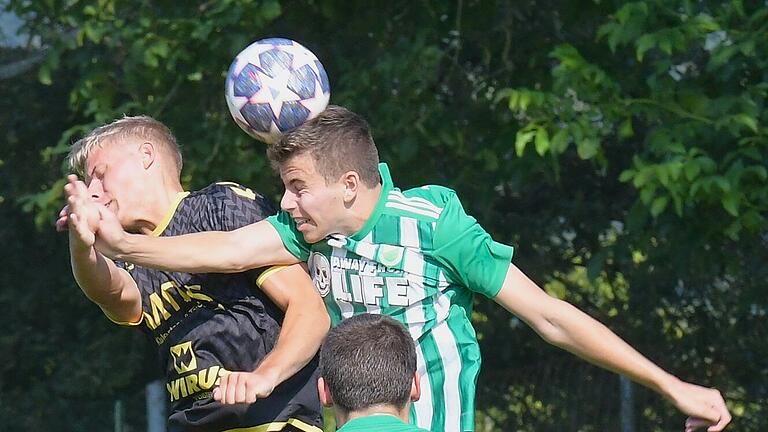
{"points": [[619, 146]]}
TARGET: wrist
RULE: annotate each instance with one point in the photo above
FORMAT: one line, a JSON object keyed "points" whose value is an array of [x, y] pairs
{"points": [[121, 248], [668, 386], [271, 374], [78, 247]]}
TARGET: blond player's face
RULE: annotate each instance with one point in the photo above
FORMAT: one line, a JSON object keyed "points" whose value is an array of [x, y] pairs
{"points": [[115, 176], [316, 207]]}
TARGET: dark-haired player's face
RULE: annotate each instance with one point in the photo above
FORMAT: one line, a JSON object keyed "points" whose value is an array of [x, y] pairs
{"points": [[316, 207], [114, 175]]}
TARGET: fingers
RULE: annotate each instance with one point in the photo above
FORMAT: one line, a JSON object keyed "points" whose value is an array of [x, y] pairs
{"points": [[694, 423], [237, 387], [74, 186], [715, 417], [722, 416], [81, 229], [725, 417], [62, 223]]}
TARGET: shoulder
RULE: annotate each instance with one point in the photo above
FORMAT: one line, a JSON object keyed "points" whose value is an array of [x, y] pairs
{"points": [[225, 189], [427, 201], [228, 205], [224, 192]]}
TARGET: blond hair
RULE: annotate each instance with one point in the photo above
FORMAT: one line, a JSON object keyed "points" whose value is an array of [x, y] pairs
{"points": [[143, 127]]}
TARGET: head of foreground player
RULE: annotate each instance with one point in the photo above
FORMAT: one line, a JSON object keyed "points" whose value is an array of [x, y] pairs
{"points": [[368, 367], [329, 167]]}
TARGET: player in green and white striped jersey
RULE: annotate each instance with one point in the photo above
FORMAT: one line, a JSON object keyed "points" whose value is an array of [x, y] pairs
{"points": [[413, 260], [414, 255]]}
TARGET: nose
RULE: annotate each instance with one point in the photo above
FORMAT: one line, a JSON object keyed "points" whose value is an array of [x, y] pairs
{"points": [[96, 191], [288, 201]]}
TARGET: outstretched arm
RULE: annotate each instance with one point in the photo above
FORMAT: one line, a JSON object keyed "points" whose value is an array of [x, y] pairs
{"points": [[304, 327], [105, 284], [252, 246], [561, 324]]}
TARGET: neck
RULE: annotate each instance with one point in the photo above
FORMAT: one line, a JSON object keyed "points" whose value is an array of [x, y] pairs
{"points": [[361, 209], [344, 417], [158, 203]]}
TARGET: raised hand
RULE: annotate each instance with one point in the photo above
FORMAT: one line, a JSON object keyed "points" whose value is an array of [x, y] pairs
{"points": [[110, 234], [81, 214]]}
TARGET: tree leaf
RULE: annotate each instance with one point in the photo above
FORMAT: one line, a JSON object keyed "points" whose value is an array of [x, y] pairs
{"points": [[522, 138], [587, 148], [643, 44], [730, 203], [658, 205], [542, 141]]}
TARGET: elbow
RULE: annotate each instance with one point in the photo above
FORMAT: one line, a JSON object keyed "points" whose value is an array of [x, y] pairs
{"points": [[551, 332], [235, 265], [235, 258], [324, 321], [550, 325], [237, 253], [320, 318]]}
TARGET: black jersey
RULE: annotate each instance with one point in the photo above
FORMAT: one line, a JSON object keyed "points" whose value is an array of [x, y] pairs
{"points": [[207, 324]]}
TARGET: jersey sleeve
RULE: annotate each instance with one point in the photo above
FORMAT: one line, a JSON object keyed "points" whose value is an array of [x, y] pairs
{"points": [[291, 237], [473, 259]]}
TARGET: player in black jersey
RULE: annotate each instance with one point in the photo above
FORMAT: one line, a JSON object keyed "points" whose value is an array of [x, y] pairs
{"points": [[237, 349]]}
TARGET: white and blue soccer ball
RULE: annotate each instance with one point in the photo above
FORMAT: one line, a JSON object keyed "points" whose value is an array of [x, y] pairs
{"points": [[275, 85]]}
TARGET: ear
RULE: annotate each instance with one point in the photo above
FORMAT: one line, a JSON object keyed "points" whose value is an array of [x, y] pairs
{"points": [[148, 154], [351, 182], [415, 387], [324, 392]]}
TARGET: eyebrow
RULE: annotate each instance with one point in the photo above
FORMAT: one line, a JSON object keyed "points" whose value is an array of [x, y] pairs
{"points": [[296, 182], [89, 175]]}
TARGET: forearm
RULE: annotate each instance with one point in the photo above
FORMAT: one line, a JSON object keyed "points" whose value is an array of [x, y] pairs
{"points": [[202, 252], [567, 327], [573, 330], [563, 325], [302, 333], [252, 246], [93, 273]]}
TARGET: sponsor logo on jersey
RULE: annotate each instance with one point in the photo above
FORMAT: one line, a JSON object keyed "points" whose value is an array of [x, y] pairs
{"points": [[360, 280], [199, 384], [320, 271], [174, 299], [390, 255], [184, 359]]}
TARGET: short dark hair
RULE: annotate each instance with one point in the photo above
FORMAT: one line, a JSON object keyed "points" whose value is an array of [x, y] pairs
{"points": [[368, 360], [338, 141]]}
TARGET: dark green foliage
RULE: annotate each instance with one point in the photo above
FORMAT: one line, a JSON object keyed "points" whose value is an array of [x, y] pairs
{"points": [[620, 146]]}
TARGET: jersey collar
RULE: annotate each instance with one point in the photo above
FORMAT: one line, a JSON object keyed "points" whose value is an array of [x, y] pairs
{"points": [[386, 186], [169, 215]]}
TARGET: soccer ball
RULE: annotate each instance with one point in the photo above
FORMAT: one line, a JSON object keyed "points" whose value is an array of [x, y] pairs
{"points": [[275, 85]]}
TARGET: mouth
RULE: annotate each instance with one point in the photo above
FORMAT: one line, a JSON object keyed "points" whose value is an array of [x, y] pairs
{"points": [[300, 222]]}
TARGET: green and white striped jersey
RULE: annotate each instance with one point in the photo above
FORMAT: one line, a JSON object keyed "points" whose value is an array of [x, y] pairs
{"points": [[419, 258]]}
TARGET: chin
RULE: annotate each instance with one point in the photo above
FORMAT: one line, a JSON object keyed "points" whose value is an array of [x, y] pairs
{"points": [[309, 238], [312, 237]]}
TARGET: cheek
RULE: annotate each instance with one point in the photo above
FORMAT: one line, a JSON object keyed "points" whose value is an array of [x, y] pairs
{"points": [[123, 187]]}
